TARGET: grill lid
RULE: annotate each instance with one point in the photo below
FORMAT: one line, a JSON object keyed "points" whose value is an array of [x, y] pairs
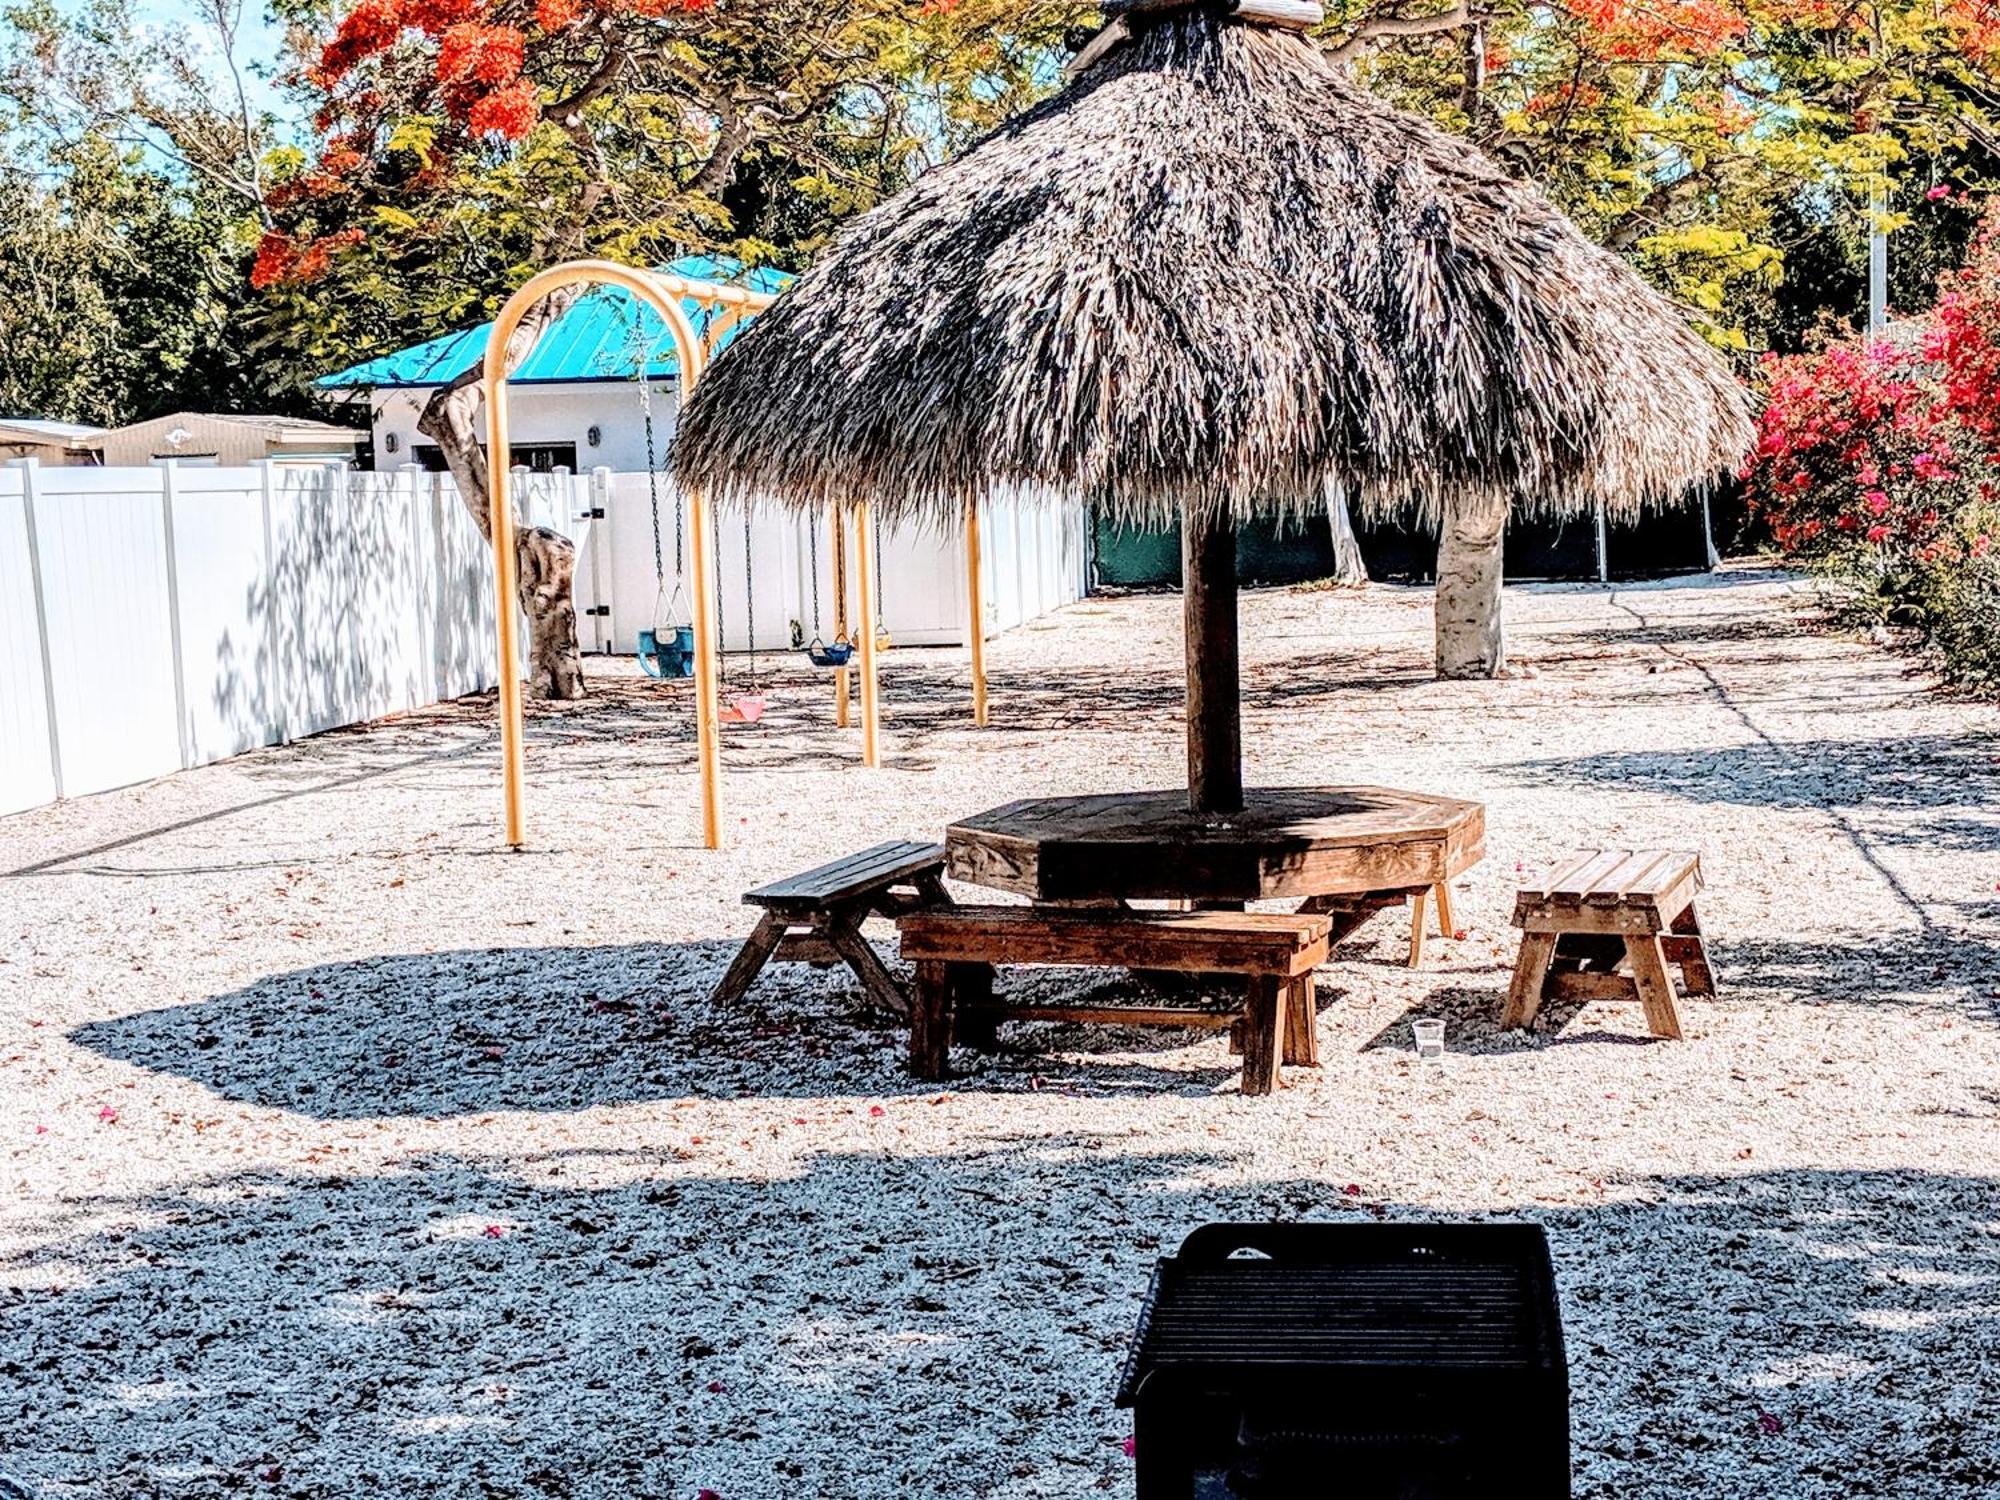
{"points": [[1242, 1298]]}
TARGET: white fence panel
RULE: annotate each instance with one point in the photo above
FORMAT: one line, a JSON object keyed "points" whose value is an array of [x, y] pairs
{"points": [[27, 760], [1033, 562], [188, 614], [221, 559], [102, 545], [462, 629]]}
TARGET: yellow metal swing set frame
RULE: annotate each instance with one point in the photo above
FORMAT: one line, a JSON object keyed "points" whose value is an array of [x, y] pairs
{"points": [[665, 293]]}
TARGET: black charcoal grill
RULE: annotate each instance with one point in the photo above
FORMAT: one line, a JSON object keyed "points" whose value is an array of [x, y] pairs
{"points": [[1351, 1362]]}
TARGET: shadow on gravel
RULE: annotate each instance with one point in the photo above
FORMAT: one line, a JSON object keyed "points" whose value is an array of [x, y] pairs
{"points": [[1952, 781], [874, 1321], [564, 1028]]}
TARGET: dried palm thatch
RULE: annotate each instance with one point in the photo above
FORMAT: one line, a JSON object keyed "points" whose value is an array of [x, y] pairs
{"points": [[1213, 273]]}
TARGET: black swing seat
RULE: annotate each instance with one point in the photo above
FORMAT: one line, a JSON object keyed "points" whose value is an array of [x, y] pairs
{"points": [[820, 654]]}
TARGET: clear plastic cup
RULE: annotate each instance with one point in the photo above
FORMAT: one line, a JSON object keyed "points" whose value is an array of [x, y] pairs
{"points": [[1430, 1038]]}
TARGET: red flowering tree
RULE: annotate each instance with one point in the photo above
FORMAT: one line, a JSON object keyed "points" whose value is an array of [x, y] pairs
{"points": [[1878, 464]]}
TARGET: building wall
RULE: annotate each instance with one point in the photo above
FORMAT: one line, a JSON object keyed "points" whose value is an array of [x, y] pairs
{"points": [[224, 444], [48, 454], [546, 414]]}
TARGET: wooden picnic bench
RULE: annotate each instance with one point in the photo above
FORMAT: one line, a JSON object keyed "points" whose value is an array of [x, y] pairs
{"points": [[815, 917], [1604, 925], [955, 950]]}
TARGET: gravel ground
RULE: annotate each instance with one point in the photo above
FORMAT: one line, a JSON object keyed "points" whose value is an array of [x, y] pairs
{"points": [[346, 1154]]}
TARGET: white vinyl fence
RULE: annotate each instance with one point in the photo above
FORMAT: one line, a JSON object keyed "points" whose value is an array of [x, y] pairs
{"points": [[153, 619]]}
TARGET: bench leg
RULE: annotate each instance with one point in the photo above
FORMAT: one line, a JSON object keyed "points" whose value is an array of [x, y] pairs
{"points": [[1690, 949], [1531, 971], [930, 1022], [1301, 1023], [1656, 988], [1263, 1022], [1419, 909], [974, 1021], [1447, 923], [844, 932], [750, 959]]}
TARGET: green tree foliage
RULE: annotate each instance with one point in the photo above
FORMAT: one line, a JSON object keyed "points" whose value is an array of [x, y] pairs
{"points": [[121, 291], [129, 205], [1715, 140]]}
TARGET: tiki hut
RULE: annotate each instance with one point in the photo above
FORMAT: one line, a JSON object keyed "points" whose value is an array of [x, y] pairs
{"points": [[1209, 279]]}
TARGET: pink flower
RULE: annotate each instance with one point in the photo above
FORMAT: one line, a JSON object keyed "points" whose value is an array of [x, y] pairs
{"points": [[1878, 533], [493, 1232], [1131, 1447], [1769, 1425], [1940, 191], [876, 1111], [108, 1115], [1878, 502]]}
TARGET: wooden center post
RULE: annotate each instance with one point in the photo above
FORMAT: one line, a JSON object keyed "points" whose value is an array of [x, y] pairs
{"points": [[1214, 697]]}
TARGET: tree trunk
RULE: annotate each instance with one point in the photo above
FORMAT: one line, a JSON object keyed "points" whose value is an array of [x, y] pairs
{"points": [[1470, 638], [1348, 568], [547, 559]]}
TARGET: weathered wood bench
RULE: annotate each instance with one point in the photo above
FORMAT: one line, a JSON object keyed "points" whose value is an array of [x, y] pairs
{"points": [[1604, 925], [955, 951], [815, 917]]}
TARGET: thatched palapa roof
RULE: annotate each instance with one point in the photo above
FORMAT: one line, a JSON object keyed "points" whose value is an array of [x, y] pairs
{"points": [[1213, 271]]}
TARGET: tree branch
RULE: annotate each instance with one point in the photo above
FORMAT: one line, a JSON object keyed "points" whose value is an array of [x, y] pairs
{"points": [[1381, 28]]}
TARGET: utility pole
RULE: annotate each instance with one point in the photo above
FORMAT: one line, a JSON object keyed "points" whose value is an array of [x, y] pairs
{"points": [[1878, 255]]}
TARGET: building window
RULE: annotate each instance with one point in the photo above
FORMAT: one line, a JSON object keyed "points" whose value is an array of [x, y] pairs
{"points": [[543, 458]]}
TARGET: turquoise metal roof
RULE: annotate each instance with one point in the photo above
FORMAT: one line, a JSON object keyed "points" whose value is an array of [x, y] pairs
{"points": [[600, 338]]}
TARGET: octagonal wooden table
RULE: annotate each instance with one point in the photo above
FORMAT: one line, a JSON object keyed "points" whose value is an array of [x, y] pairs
{"points": [[1348, 850]]}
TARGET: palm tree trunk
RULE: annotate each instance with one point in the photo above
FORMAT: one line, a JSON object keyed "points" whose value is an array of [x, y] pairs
{"points": [[1470, 639]]}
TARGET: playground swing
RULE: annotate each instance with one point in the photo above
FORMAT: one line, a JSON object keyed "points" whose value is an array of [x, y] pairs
{"points": [[882, 640], [838, 651], [748, 707], [666, 650]]}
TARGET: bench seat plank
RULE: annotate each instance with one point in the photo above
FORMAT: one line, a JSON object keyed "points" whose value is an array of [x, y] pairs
{"points": [[893, 863], [1193, 941]]}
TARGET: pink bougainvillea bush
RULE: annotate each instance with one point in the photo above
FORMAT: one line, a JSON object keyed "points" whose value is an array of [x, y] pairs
{"points": [[1878, 466]]}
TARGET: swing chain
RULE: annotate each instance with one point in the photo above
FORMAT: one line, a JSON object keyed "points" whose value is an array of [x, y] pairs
{"points": [[661, 605], [812, 549], [749, 598], [653, 479]]}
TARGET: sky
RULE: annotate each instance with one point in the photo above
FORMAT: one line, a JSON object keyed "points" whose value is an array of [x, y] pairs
{"points": [[179, 24]]}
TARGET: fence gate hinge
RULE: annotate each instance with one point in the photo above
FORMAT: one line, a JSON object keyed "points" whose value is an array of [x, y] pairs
{"points": [[596, 513], [599, 609]]}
